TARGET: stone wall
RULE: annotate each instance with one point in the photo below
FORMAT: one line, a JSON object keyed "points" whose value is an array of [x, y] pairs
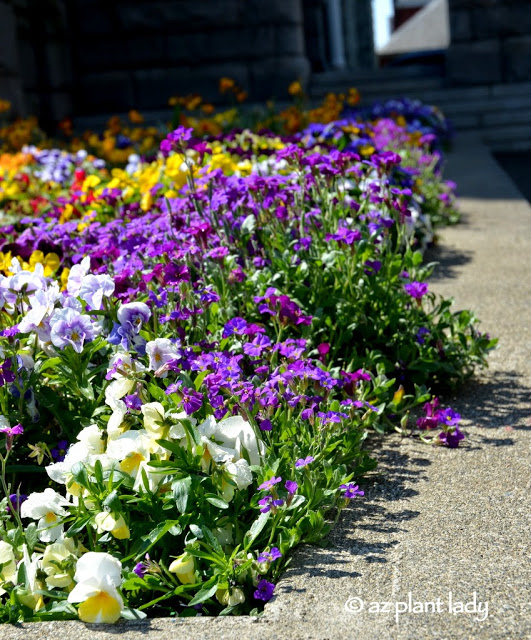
{"points": [[140, 53], [491, 42]]}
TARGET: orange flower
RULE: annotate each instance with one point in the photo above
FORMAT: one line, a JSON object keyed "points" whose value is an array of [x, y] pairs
{"points": [[226, 84], [241, 96], [135, 117]]}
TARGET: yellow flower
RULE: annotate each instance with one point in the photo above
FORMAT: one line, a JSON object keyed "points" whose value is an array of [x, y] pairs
{"points": [[295, 88], [184, 568], [38, 451]]}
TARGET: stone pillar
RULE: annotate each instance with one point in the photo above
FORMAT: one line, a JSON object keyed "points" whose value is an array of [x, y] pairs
{"points": [[335, 28], [490, 41]]}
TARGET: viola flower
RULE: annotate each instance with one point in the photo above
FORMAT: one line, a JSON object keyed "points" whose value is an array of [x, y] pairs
{"points": [[264, 591], [268, 502], [451, 438], [94, 288], [98, 576], [235, 326], [291, 487], [15, 500], [59, 452], [431, 419], [419, 336], [160, 352], [416, 289], [269, 484], [132, 315], [304, 462], [351, 490], [6, 374], [269, 556], [48, 508], [448, 417], [69, 327], [191, 400], [10, 432]]}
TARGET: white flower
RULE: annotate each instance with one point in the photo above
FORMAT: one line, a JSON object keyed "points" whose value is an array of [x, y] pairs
{"points": [[160, 351], [48, 508], [76, 275], [93, 288], [8, 571], [89, 448], [57, 562], [229, 439], [131, 448], [98, 576]]}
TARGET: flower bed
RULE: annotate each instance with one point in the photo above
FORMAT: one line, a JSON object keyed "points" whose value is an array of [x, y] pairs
{"points": [[195, 349]]}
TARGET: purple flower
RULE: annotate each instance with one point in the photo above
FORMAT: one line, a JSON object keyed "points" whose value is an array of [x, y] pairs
{"points": [[416, 289], [372, 267], [330, 417], [140, 569], [235, 326], [451, 438], [17, 430], [303, 462], [133, 402], [265, 425], [448, 417], [59, 452], [264, 591], [419, 336], [6, 375], [269, 556], [269, 484], [351, 490], [69, 327], [267, 502], [132, 315], [291, 486], [191, 400], [431, 419], [15, 501]]}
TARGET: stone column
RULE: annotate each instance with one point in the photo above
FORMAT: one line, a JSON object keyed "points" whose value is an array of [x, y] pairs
{"points": [[335, 26]]}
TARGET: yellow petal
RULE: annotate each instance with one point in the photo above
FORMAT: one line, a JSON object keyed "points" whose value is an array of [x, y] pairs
{"points": [[100, 608]]}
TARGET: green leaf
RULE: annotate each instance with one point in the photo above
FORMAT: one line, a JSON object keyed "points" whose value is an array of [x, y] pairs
{"points": [[32, 536], [216, 501], [146, 542], [78, 526], [181, 492], [256, 528], [203, 594], [133, 614]]}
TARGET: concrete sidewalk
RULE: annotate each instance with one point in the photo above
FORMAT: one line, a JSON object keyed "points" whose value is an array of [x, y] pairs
{"points": [[436, 521]]}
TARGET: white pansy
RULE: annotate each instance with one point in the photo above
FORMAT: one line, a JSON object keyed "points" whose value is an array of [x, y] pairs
{"points": [[8, 571], [98, 576], [160, 352], [94, 288], [232, 436], [48, 508], [57, 561], [76, 275]]}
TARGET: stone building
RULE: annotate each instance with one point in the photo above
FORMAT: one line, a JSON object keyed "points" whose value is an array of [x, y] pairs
{"points": [[89, 57]]}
